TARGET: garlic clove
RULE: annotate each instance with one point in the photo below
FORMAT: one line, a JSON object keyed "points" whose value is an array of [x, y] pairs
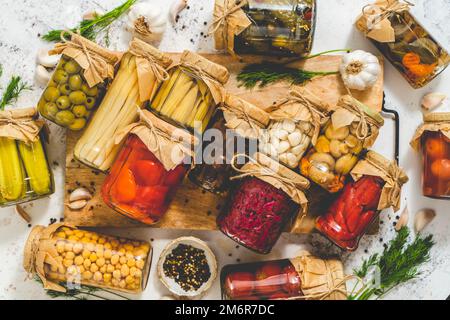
{"points": [[403, 220], [281, 134], [175, 9], [46, 60], [295, 138], [432, 100], [42, 75], [423, 218], [80, 194], [283, 147], [289, 125], [77, 205]]}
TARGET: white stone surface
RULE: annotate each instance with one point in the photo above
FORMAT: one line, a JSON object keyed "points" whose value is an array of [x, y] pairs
{"points": [[21, 22]]}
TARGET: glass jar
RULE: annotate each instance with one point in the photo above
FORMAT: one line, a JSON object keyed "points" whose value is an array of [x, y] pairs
{"points": [[138, 186], [413, 52], [68, 100], [436, 165], [340, 144], [25, 173], [257, 214], [77, 257], [278, 28]]}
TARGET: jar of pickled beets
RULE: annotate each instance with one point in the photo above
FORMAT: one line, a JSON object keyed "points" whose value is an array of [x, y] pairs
{"points": [[142, 183], [433, 139], [303, 277], [267, 198], [376, 185]]}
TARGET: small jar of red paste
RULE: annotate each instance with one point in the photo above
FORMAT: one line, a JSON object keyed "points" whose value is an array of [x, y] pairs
{"points": [[262, 205]]}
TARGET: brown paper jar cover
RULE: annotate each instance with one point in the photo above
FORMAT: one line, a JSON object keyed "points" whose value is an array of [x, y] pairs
{"points": [[434, 122], [21, 124]]}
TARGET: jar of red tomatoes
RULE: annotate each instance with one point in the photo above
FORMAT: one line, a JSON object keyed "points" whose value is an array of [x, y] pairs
{"points": [[304, 277], [239, 123], [376, 185], [433, 139], [149, 169], [265, 201]]}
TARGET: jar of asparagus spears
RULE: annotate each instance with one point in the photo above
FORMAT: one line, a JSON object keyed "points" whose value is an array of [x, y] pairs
{"points": [[25, 173], [295, 124], [404, 41], [353, 127], [191, 95], [64, 257], [239, 124], [267, 27], [142, 70], [79, 82]]}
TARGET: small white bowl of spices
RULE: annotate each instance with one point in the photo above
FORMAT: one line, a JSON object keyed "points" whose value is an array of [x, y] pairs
{"points": [[187, 267]]}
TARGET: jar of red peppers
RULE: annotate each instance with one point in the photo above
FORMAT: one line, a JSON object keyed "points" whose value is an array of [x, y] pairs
{"points": [[412, 50], [352, 128], [376, 185], [149, 169], [433, 138], [302, 278], [236, 120], [267, 198]]}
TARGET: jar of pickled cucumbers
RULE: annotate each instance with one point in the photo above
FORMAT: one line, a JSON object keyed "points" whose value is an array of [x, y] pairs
{"points": [[78, 83], [352, 128], [25, 173], [148, 170], [142, 69], [238, 123], [266, 27], [191, 95], [404, 42], [65, 257], [266, 200], [433, 140], [304, 277], [377, 184]]}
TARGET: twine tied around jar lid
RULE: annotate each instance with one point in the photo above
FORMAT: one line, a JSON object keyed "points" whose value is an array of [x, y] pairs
{"points": [[262, 167], [374, 164], [98, 63], [434, 122], [21, 124]]}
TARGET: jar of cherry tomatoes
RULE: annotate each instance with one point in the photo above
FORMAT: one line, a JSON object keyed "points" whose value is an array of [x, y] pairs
{"points": [[149, 169], [302, 278], [376, 185], [267, 198], [239, 123], [433, 139], [352, 128]]}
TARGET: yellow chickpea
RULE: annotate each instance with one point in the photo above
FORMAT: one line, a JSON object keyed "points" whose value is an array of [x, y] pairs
{"points": [[85, 240], [107, 254], [133, 271], [60, 245], [98, 276], [139, 253], [81, 269], [103, 269], [131, 262], [140, 264], [86, 254], [129, 279], [73, 238], [128, 246], [116, 274], [68, 247], [93, 268], [100, 262], [123, 260], [93, 257], [94, 236], [122, 284], [90, 246], [100, 253], [61, 235], [124, 270], [70, 255], [87, 275], [101, 240], [87, 263], [77, 248], [138, 274], [107, 277], [79, 260], [67, 263], [115, 282], [108, 246], [62, 269], [110, 268], [115, 259], [53, 268], [79, 233], [122, 251]]}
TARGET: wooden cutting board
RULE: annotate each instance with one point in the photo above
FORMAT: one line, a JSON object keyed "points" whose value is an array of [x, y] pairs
{"points": [[193, 208]]}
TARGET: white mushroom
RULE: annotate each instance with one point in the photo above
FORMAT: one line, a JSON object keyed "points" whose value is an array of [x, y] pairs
{"points": [[423, 219]]}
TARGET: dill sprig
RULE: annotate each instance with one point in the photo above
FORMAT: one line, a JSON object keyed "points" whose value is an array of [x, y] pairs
{"points": [[398, 264], [82, 293], [91, 28], [13, 91]]}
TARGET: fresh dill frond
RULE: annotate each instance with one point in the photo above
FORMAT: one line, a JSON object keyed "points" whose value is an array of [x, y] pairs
{"points": [[13, 91], [91, 28]]}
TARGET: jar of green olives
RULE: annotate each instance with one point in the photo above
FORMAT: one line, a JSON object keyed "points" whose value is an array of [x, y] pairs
{"points": [[78, 83]]}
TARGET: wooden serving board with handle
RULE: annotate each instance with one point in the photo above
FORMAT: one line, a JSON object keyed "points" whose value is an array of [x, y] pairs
{"points": [[193, 208]]}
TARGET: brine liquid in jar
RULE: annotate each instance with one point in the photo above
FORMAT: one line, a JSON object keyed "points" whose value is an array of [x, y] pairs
{"points": [[436, 165], [138, 185], [270, 280]]}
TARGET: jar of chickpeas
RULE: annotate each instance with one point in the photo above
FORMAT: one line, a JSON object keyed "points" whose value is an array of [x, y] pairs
{"points": [[63, 256]]}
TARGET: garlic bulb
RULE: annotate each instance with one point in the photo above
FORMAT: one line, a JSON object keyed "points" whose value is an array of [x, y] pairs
{"points": [[146, 21], [360, 70]]}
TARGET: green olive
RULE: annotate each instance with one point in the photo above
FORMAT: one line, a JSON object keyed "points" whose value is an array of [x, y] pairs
{"points": [[61, 76], [51, 108], [75, 82], [65, 118], [78, 124], [92, 92], [64, 89], [77, 97], [52, 83], [72, 67], [51, 94], [90, 103], [63, 102], [79, 111]]}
